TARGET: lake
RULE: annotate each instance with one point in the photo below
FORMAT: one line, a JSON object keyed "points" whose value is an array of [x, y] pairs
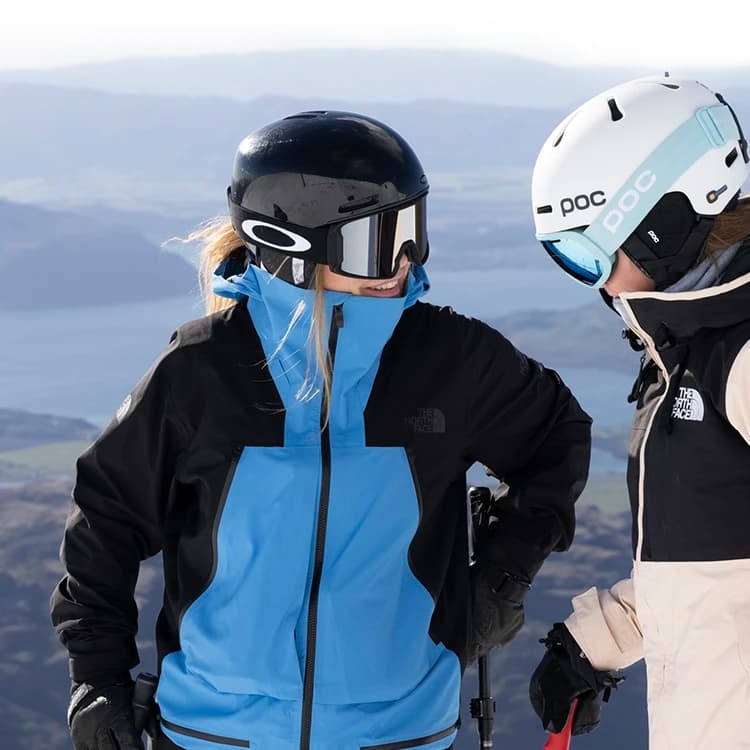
{"points": [[81, 362]]}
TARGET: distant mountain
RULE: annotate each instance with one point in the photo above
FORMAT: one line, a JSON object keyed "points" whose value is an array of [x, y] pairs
{"points": [[361, 75], [34, 690], [589, 336], [24, 224], [22, 429], [169, 137], [58, 259], [169, 156]]}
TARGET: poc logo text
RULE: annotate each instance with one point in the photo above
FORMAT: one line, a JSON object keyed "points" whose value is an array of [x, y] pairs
{"points": [[582, 202], [629, 200]]}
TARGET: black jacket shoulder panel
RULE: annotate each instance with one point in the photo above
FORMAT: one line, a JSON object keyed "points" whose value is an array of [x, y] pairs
{"points": [[521, 422], [214, 326]]}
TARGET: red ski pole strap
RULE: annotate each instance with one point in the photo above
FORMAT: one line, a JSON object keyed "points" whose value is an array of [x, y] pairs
{"points": [[561, 740]]}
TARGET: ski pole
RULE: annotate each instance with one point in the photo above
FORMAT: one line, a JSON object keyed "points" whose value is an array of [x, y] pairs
{"points": [[482, 708], [561, 740]]}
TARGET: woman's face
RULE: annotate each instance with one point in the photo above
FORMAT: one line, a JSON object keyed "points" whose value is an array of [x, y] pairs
{"points": [[627, 277], [394, 287]]}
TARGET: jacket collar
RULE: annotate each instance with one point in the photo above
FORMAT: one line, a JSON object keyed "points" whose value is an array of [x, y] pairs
{"points": [[670, 317], [282, 316]]}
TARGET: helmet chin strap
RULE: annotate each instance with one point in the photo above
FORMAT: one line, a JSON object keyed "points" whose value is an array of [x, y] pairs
{"points": [[294, 271]]}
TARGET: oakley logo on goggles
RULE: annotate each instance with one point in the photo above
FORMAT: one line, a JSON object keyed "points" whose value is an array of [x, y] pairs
{"points": [[370, 247], [588, 254]]}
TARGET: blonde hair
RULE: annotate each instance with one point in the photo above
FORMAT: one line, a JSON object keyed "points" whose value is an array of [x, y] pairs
{"points": [[221, 242], [730, 227]]}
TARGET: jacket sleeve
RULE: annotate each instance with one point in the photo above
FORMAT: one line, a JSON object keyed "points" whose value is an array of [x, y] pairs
{"points": [[737, 397], [605, 626], [529, 430], [114, 522]]}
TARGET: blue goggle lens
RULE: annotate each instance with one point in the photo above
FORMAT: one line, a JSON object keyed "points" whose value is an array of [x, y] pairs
{"points": [[575, 261]]}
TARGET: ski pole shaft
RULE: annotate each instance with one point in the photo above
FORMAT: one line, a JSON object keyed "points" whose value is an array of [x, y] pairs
{"points": [[483, 708], [561, 740], [487, 716]]}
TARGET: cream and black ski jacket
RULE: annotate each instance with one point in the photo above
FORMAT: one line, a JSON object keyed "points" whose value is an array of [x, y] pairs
{"points": [[689, 463], [686, 606]]}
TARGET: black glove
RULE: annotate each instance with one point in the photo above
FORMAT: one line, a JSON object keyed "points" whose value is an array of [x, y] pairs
{"points": [[564, 675], [100, 715], [497, 609]]}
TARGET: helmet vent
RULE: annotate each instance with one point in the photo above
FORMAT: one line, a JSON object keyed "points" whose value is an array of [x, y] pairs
{"points": [[614, 110], [355, 205], [731, 156], [559, 138], [669, 85]]}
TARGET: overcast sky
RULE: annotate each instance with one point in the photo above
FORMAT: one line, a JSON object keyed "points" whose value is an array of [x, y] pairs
{"points": [[661, 33]]}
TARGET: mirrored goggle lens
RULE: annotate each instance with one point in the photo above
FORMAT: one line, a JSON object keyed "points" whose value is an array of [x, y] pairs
{"points": [[576, 260], [372, 247]]}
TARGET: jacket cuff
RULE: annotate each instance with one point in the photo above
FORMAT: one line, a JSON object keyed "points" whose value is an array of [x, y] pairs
{"points": [[601, 627], [96, 666]]}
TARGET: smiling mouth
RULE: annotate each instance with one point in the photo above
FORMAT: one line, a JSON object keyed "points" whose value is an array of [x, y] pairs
{"points": [[387, 285]]}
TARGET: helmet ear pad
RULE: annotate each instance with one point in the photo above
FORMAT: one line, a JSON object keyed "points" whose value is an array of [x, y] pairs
{"points": [[295, 271], [669, 240]]}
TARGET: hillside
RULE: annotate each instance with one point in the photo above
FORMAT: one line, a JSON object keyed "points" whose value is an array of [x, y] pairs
{"points": [[31, 661]]}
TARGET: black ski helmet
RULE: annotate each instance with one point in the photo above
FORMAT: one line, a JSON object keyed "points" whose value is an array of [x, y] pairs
{"points": [[335, 188]]}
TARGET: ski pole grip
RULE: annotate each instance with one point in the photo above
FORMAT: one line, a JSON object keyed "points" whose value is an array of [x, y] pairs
{"points": [[143, 699]]}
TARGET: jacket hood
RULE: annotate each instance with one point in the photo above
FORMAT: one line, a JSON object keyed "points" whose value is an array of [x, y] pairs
{"points": [[282, 316]]}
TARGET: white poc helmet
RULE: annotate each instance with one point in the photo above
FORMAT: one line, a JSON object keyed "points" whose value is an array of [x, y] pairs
{"points": [[646, 166]]}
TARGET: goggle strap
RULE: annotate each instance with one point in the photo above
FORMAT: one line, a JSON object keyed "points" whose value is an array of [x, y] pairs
{"points": [[708, 128]]}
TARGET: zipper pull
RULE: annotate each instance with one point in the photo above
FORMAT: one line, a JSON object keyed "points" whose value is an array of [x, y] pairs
{"points": [[635, 342], [635, 392], [338, 316]]}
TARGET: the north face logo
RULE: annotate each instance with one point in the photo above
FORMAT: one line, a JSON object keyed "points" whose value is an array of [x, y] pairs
{"points": [[427, 420], [688, 405]]}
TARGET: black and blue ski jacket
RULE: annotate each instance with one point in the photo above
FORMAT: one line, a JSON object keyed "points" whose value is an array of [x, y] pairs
{"points": [[317, 592]]}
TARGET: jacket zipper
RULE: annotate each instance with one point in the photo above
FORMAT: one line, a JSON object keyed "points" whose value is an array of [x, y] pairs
{"points": [[651, 347], [320, 537]]}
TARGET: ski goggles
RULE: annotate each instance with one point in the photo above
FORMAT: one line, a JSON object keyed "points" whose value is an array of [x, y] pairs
{"points": [[587, 254], [580, 257], [370, 247]]}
